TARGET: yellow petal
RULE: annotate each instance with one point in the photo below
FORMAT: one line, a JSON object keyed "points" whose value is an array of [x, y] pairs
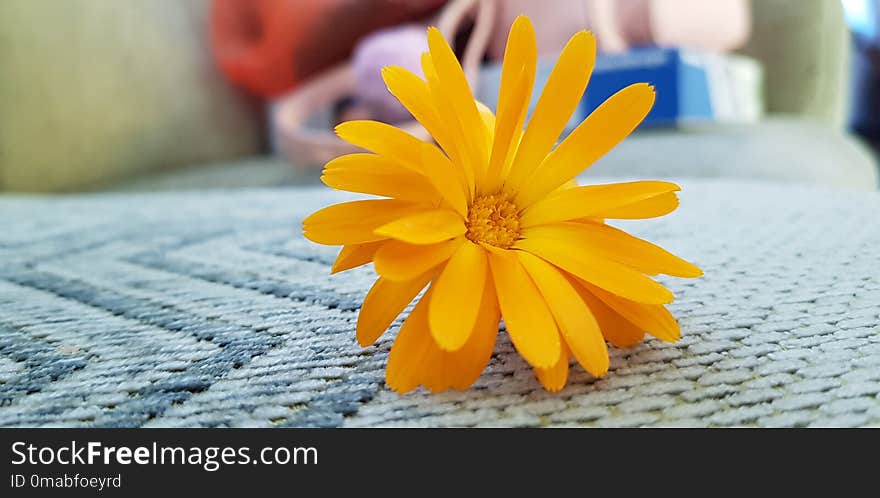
{"points": [[376, 175], [445, 177], [554, 378], [488, 118], [456, 298], [355, 222], [413, 345], [615, 328], [385, 300], [354, 255], [458, 93], [578, 327], [593, 201], [529, 322], [589, 266], [616, 245], [459, 369], [649, 208], [456, 148], [517, 79], [401, 261], [654, 319], [383, 139], [560, 97], [416, 359], [470, 361], [573, 183], [603, 129], [427, 227], [414, 94]]}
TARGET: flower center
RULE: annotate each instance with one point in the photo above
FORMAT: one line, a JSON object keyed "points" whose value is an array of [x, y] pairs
{"points": [[493, 220]]}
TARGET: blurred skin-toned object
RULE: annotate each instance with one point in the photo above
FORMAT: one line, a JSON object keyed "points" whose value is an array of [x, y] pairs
{"points": [[722, 26], [270, 46], [717, 25]]}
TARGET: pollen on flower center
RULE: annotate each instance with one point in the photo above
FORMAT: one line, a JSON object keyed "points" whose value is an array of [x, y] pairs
{"points": [[493, 220]]}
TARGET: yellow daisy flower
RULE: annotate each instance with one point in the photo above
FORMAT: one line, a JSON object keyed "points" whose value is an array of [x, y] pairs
{"points": [[491, 222]]}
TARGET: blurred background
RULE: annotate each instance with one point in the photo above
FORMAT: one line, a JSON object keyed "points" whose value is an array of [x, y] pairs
{"points": [[205, 94]]}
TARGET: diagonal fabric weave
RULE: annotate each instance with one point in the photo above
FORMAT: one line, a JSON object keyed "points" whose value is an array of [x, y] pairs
{"points": [[210, 309]]}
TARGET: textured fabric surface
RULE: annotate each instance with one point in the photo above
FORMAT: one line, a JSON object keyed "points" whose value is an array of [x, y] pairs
{"points": [[210, 309]]}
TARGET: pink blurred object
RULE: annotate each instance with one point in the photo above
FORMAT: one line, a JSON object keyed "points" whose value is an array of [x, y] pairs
{"points": [[399, 46], [716, 25], [307, 147]]}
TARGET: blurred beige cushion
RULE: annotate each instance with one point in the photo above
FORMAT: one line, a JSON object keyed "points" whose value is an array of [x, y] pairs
{"points": [[783, 149], [804, 46], [93, 90]]}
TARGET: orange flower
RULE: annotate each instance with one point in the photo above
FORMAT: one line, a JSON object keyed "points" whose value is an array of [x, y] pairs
{"points": [[493, 224]]}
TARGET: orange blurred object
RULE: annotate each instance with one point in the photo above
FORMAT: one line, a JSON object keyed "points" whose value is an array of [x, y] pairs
{"points": [[270, 46]]}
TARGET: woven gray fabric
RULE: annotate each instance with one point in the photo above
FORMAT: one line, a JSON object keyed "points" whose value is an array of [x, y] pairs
{"points": [[210, 309]]}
